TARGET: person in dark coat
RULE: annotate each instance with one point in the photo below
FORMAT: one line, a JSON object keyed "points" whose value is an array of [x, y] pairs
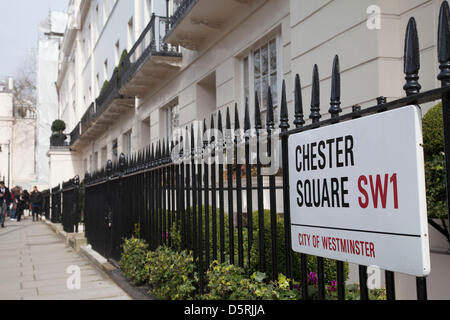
{"points": [[21, 205], [5, 202], [36, 203]]}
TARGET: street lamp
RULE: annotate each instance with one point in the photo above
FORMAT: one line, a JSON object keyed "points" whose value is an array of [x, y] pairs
{"points": [[9, 160]]}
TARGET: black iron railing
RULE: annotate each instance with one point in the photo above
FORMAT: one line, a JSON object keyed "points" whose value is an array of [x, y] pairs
{"points": [[183, 8], [109, 93], [46, 204], [75, 134], [88, 118], [150, 43], [70, 215], [168, 188], [56, 205]]}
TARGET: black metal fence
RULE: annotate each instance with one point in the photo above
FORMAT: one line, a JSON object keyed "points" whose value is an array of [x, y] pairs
{"points": [[217, 209], [56, 205], [70, 216], [46, 204]]}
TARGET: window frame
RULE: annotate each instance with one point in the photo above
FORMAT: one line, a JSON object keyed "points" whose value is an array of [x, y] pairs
{"points": [[250, 55]]}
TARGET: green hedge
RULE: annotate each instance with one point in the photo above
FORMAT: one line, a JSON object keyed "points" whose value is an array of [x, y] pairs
{"points": [[435, 173], [133, 259], [253, 265]]}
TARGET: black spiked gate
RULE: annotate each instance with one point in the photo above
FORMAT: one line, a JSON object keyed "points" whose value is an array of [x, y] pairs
{"points": [[195, 185]]}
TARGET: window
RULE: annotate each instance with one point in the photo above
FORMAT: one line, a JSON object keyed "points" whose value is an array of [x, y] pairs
{"points": [[170, 118], [117, 52], [126, 147], [104, 155], [261, 70], [145, 132], [148, 11], [169, 122], [105, 11], [97, 84], [130, 34], [105, 70], [97, 23], [96, 161], [115, 153]]}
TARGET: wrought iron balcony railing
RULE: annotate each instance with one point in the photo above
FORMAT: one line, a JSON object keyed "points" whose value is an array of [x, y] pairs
{"points": [[150, 43], [108, 94], [88, 118], [75, 134], [184, 6]]}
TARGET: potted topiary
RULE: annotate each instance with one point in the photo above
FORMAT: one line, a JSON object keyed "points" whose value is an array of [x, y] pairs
{"points": [[58, 137], [435, 173]]}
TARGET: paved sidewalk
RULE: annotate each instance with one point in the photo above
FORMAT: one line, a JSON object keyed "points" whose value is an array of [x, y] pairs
{"points": [[34, 262]]}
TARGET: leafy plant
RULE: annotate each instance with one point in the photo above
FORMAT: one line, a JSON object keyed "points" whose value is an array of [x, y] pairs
{"points": [[435, 175], [229, 282], [330, 270], [433, 131], [58, 126], [120, 66], [105, 84], [172, 274], [435, 172], [133, 259]]}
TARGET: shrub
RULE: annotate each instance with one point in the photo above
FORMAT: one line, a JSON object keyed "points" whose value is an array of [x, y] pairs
{"points": [[172, 274], [119, 67], [105, 84], [58, 126], [330, 270], [433, 131], [228, 282], [435, 175], [133, 259]]}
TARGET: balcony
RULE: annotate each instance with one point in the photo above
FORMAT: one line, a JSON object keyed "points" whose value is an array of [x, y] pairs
{"points": [[88, 118], [107, 108], [197, 22], [75, 134], [150, 61]]}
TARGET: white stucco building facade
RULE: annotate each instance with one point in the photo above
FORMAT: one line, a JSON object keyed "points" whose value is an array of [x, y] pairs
{"points": [[215, 54], [17, 140]]}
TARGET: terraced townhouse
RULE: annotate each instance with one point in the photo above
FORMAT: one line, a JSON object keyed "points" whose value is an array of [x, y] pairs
{"points": [[131, 72]]}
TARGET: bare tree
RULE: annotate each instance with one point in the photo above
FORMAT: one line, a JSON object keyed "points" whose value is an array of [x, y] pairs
{"points": [[24, 91]]}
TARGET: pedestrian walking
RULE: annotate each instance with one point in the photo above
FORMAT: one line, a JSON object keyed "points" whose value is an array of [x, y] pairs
{"points": [[5, 202], [36, 203], [26, 197], [21, 205], [14, 202]]}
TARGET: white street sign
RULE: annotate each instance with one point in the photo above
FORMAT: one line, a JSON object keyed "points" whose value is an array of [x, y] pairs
{"points": [[357, 192]]}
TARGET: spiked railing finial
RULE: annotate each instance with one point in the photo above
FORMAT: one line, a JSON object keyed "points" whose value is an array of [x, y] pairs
{"points": [[284, 114], [258, 122], [299, 116], [247, 123], [335, 104], [412, 59], [237, 125], [444, 44], [315, 96]]}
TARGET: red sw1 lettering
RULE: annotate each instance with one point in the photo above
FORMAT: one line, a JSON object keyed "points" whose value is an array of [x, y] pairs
{"points": [[379, 190]]}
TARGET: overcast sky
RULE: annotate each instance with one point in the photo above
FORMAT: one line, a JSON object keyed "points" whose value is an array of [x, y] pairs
{"points": [[19, 21]]}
